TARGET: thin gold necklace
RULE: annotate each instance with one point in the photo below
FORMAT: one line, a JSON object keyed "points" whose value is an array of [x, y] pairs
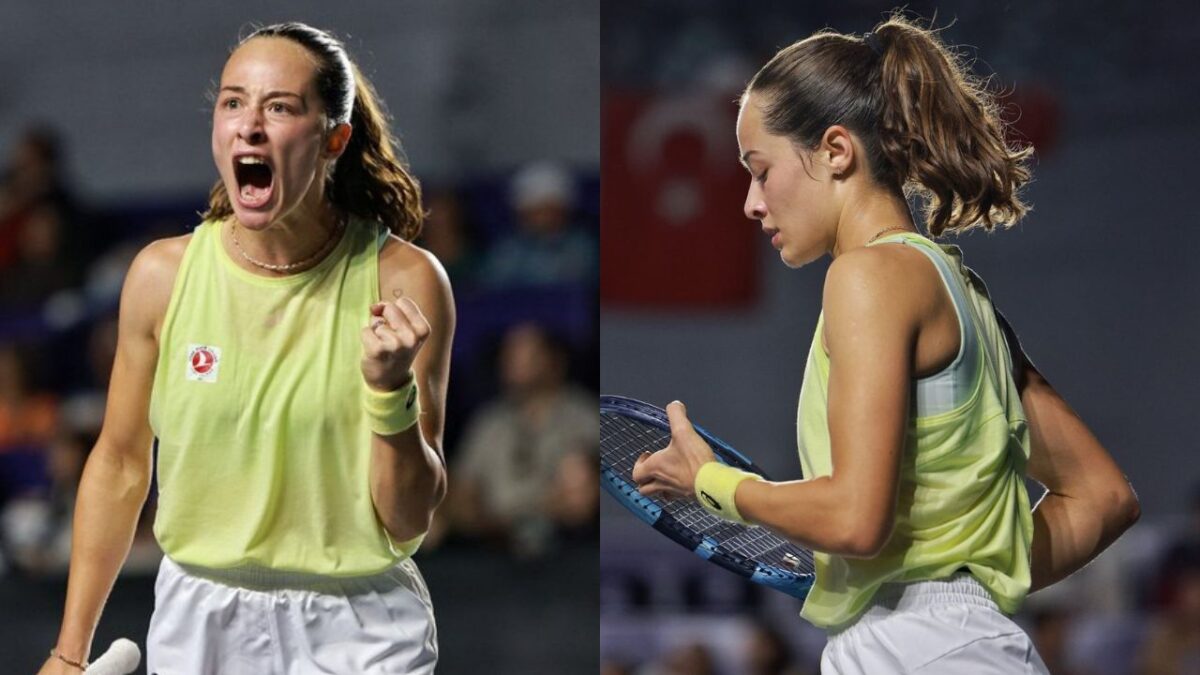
{"points": [[337, 228], [886, 230]]}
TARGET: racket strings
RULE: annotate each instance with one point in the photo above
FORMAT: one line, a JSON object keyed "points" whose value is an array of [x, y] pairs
{"points": [[623, 440]]}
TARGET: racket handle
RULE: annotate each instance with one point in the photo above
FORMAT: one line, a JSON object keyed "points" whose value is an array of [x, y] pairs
{"points": [[121, 658]]}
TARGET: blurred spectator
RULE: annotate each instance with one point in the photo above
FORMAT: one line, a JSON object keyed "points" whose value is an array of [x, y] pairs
{"points": [[548, 246], [1051, 635], [1172, 646], [39, 268], [27, 419], [48, 453], [572, 497], [691, 659], [1181, 554], [83, 409], [32, 179], [1173, 642], [767, 653], [526, 467], [448, 235], [37, 525]]}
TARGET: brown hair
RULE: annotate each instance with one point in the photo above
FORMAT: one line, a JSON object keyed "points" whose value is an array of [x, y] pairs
{"points": [[371, 179], [928, 125]]}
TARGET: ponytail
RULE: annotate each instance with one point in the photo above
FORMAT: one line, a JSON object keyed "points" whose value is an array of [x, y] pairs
{"points": [[941, 131], [928, 126], [371, 179]]}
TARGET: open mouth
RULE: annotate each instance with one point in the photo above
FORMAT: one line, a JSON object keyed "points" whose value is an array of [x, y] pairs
{"points": [[254, 180]]}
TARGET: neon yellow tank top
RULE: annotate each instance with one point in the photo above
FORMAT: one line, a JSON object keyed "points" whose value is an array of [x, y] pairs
{"points": [[263, 446], [962, 498]]}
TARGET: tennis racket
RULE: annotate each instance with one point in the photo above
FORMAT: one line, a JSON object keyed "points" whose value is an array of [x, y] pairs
{"points": [[628, 428]]}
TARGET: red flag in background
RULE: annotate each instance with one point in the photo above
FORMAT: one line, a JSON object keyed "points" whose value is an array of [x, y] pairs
{"points": [[672, 233], [1033, 112]]}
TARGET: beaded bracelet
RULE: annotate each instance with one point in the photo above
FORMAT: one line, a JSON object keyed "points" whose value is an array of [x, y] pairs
{"points": [[81, 665]]}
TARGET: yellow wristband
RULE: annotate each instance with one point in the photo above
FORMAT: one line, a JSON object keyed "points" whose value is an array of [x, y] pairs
{"points": [[715, 486], [391, 412]]}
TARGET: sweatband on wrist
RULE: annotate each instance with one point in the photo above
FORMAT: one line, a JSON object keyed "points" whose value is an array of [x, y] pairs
{"points": [[390, 412], [715, 486]]}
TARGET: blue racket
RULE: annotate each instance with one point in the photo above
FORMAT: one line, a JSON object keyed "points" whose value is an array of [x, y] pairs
{"points": [[628, 428]]}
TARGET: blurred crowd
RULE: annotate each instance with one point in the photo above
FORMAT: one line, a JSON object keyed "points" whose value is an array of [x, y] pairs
{"points": [[522, 433]]}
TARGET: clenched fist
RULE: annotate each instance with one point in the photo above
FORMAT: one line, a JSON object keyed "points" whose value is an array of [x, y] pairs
{"points": [[391, 342]]}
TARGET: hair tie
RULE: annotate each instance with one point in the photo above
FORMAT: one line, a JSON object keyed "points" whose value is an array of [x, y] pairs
{"points": [[872, 41]]}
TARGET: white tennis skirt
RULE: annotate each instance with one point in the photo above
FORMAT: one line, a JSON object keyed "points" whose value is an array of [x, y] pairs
{"points": [[945, 627], [261, 622]]}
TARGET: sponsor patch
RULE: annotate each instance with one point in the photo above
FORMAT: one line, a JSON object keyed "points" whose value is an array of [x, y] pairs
{"points": [[203, 363]]}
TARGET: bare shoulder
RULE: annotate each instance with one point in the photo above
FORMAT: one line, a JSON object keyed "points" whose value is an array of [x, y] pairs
{"points": [[150, 280], [161, 256], [886, 275], [408, 269], [885, 292]]}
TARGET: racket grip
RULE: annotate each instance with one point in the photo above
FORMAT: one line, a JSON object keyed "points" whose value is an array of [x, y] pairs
{"points": [[121, 658]]}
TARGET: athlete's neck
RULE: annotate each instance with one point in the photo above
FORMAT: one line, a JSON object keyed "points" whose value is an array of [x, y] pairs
{"points": [[868, 214], [306, 229]]}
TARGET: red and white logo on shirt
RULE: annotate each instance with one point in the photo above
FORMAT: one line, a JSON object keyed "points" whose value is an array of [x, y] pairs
{"points": [[203, 361]]}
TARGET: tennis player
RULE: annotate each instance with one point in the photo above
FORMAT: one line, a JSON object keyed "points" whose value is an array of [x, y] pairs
{"points": [[918, 418], [290, 359]]}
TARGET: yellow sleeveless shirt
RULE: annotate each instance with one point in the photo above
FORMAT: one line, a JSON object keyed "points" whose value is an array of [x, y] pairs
{"points": [[962, 498], [263, 445]]}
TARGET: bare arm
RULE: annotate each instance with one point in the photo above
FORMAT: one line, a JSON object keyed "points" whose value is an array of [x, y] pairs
{"points": [[116, 478], [1089, 502], [870, 331], [408, 472]]}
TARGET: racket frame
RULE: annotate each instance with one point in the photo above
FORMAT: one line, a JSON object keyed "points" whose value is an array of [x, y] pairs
{"points": [[649, 511]]}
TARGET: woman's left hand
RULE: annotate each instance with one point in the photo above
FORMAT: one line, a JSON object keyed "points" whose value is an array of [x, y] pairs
{"points": [[391, 343], [671, 472]]}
